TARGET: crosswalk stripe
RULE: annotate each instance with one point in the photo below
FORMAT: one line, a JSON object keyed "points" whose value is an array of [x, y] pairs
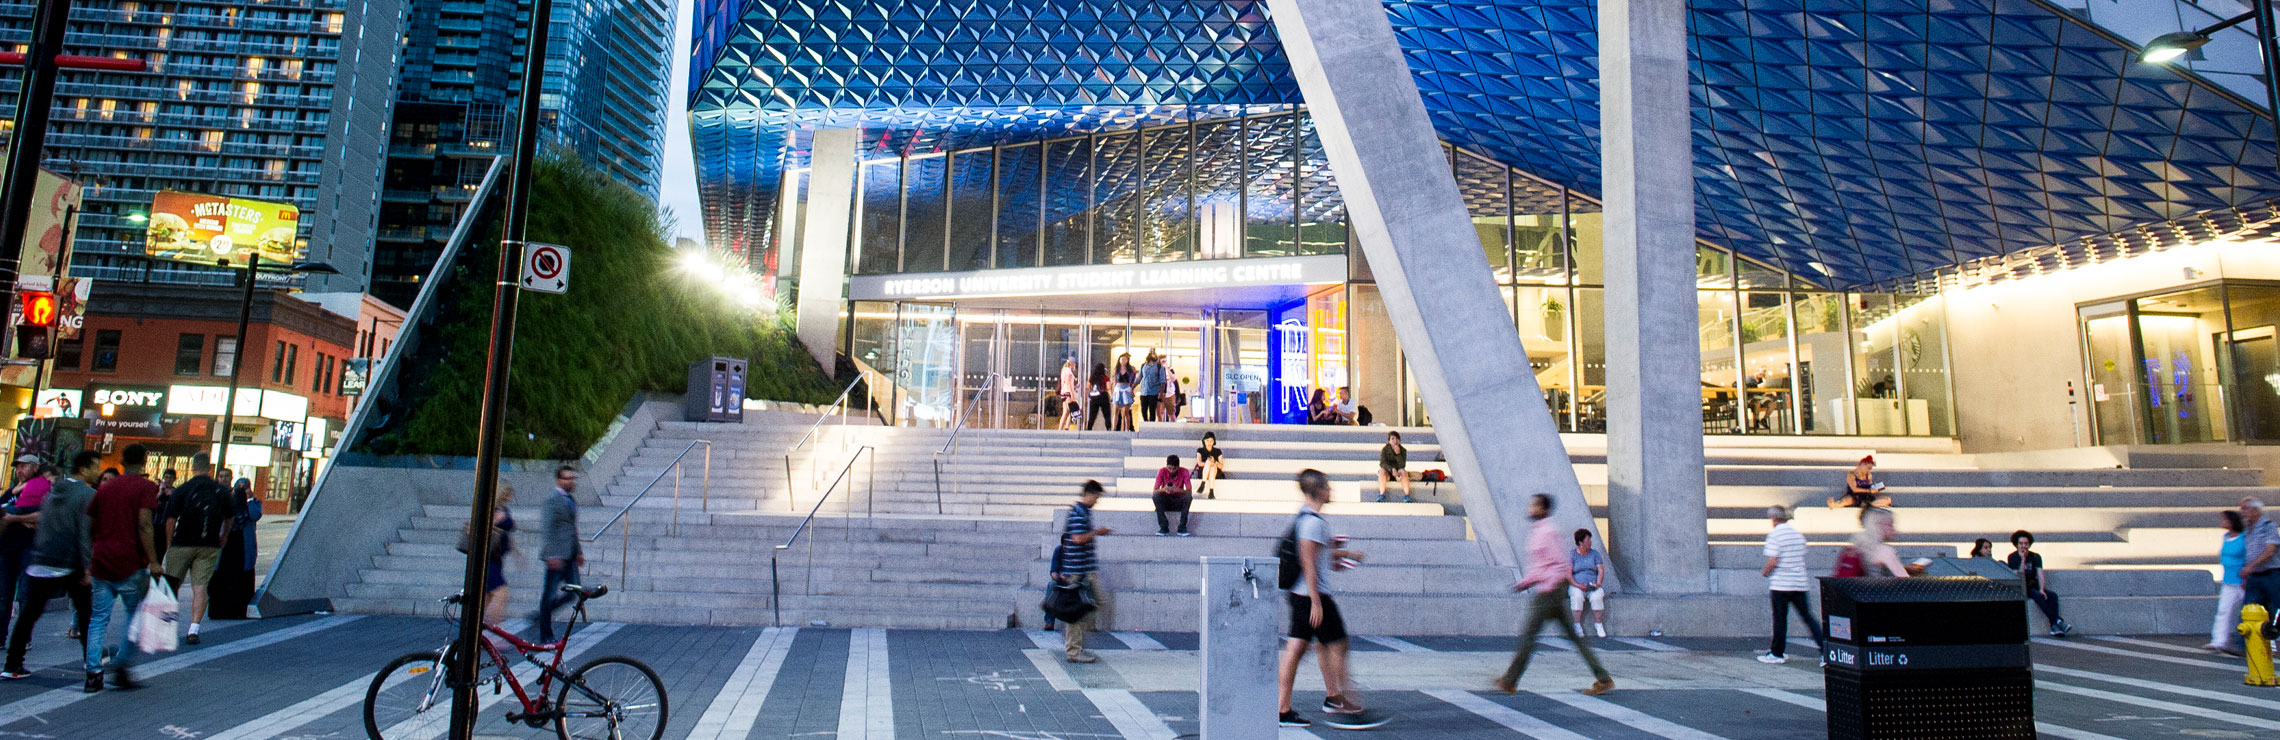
{"points": [[314, 708], [58, 698], [1636, 719], [578, 644], [2137, 654], [1790, 697], [2166, 706], [2150, 644], [2159, 686], [1138, 640], [1650, 644], [866, 698], [1046, 640], [1511, 719], [1132, 719], [737, 707], [1048, 664], [2069, 733], [1399, 645]]}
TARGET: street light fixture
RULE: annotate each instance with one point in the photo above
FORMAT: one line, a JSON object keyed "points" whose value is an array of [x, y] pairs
{"points": [[138, 217], [237, 365], [2168, 47]]}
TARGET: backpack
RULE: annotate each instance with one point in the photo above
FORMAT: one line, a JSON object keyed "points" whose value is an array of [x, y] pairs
{"points": [[1850, 565], [1288, 570], [199, 513]]}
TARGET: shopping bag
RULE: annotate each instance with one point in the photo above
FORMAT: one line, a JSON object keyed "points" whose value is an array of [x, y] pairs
{"points": [[1067, 602], [153, 628]]}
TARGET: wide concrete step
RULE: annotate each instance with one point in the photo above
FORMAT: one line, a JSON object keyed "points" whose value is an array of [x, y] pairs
{"points": [[1274, 469], [1371, 578], [727, 610], [1347, 489], [1145, 547], [1833, 477], [1359, 526], [1980, 519]]}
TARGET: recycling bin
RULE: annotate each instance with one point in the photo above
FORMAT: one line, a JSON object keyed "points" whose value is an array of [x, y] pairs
{"points": [[716, 390], [1933, 658]]}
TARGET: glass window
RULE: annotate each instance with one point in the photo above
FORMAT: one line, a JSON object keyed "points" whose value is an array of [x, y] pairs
{"points": [[67, 352], [926, 219], [1591, 357], [106, 351], [277, 364], [1585, 235], [973, 226], [1165, 190], [2253, 350], [1068, 201], [292, 362], [1489, 201], [1822, 386], [1923, 361], [1219, 190], [225, 356], [1876, 381], [1751, 275], [1768, 375], [1321, 210], [1713, 268], [1536, 232], [1116, 207], [1269, 187], [879, 245], [189, 354], [1721, 400], [1019, 169]]}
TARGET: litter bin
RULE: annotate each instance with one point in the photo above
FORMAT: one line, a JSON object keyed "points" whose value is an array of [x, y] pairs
{"points": [[716, 390], [1936, 658]]}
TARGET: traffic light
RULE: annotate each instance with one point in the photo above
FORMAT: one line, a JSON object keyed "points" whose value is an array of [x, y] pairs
{"points": [[35, 342], [38, 308]]}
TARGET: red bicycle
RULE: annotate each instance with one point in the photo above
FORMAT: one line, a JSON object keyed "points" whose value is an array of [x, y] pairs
{"points": [[611, 698]]}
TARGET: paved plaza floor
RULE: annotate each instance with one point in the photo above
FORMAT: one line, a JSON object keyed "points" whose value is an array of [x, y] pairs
{"points": [[303, 678]]}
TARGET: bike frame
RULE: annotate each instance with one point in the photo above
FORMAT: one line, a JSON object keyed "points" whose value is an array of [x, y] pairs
{"points": [[523, 648]]}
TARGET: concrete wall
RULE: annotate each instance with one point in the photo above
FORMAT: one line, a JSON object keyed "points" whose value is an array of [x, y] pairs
{"points": [[2014, 345], [353, 517]]}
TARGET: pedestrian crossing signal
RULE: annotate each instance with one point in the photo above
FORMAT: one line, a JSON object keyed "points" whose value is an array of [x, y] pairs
{"points": [[35, 342], [38, 308]]}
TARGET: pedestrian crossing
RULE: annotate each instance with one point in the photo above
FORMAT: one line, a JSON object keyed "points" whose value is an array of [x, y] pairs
{"points": [[302, 678]]}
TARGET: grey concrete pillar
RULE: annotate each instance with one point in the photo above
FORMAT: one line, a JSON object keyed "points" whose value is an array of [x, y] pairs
{"points": [[1406, 212], [1655, 485], [823, 247], [1241, 621]]}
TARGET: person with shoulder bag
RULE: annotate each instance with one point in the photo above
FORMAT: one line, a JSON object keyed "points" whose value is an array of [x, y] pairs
{"points": [[1075, 596]]}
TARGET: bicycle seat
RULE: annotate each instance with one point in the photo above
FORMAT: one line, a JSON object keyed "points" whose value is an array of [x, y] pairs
{"points": [[583, 592]]}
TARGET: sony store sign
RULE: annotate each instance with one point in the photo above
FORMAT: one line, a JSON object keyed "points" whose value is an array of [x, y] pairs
{"points": [[1029, 281]]}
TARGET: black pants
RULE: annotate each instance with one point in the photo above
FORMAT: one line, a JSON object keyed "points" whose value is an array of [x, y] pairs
{"points": [[1096, 407], [1783, 601], [551, 598], [2047, 601], [1148, 405], [1165, 505], [37, 593]]}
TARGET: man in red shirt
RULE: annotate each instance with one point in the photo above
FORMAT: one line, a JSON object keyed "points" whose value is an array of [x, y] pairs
{"points": [[119, 526]]}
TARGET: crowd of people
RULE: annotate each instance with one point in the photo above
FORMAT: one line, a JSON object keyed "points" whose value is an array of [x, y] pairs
{"points": [[1123, 396]]}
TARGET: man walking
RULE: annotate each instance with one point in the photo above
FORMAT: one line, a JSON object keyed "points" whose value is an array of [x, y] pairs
{"points": [[1547, 572], [59, 557], [559, 548], [2260, 574], [1314, 617], [1151, 385], [123, 549], [198, 520], [1074, 564], [1786, 583]]}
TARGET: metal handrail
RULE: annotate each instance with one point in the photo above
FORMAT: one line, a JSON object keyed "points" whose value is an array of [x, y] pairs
{"points": [[625, 534], [775, 581], [957, 424], [838, 408]]}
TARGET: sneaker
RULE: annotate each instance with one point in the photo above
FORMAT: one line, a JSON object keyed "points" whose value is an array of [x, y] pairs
{"points": [[1331, 704], [1291, 719], [1771, 659], [14, 673], [1507, 687], [1163, 534], [1408, 500], [1185, 533], [1084, 657], [1579, 630], [1361, 720], [1602, 628], [2061, 629], [1381, 498], [190, 639], [123, 681], [94, 683], [1600, 686]]}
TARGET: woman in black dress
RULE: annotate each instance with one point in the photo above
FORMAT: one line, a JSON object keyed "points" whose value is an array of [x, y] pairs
{"points": [[1207, 464]]}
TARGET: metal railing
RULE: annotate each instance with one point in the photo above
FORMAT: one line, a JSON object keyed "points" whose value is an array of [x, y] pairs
{"points": [[625, 534], [838, 410], [958, 424], [775, 579]]}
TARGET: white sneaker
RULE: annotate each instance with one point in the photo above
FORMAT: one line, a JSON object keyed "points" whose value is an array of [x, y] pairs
{"points": [[1602, 628], [1770, 658], [1579, 630]]}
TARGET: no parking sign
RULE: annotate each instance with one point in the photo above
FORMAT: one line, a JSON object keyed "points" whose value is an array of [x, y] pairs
{"points": [[545, 268]]}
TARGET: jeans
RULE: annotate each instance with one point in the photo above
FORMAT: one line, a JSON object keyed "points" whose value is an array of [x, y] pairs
{"points": [[12, 562], [2223, 633], [1783, 601], [37, 593], [551, 597], [1148, 404], [2046, 600], [1547, 606], [2263, 588], [129, 590], [1166, 504]]}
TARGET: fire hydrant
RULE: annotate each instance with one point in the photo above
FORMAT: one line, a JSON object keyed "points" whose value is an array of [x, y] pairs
{"points": [[2252, 619]]}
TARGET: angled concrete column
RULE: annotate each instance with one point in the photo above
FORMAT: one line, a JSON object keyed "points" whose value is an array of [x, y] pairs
{"points": [[1440, 296], [823, 247], [1655, 489]]}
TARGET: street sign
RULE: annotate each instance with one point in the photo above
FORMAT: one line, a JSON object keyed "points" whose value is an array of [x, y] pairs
{"points": [[545, 268]]}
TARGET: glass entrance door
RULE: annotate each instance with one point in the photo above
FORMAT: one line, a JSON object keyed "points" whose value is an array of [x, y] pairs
{"points": [[2112, 355]]}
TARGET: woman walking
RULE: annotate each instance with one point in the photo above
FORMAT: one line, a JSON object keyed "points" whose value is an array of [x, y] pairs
{"points": [[1096, 398], [2231, 554], [1127, 377], [1871, 548], [502, 542]]}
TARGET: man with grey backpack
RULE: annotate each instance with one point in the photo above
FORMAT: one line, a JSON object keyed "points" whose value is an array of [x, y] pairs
{"points": [[1307, 553]]}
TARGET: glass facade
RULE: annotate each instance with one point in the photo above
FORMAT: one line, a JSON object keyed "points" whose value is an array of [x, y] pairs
{"points": [[1779, 355], [2197, 364]]}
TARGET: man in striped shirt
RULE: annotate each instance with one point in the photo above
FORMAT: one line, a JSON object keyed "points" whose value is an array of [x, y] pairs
{"points": [[1074, 563], [1785, 578]]}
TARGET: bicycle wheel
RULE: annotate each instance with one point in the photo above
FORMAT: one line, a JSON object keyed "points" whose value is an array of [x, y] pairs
{"points": [[613, 698], [408, 699]]}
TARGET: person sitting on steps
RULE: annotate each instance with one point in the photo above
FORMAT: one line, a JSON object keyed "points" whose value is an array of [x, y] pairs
{"points": [[1861, 489], [1209, 465], [1172, 494], [1393, 464]]}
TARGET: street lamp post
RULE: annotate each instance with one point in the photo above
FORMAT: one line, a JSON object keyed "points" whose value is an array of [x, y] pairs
{"points": [[237, 361], [2169, 47]]}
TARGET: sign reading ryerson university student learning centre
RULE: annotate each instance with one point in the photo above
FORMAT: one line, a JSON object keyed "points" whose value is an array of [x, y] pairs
{"points": [[1315, 269]]}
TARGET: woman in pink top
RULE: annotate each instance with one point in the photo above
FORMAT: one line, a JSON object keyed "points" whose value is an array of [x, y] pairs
{"points": [[1172, 494]]}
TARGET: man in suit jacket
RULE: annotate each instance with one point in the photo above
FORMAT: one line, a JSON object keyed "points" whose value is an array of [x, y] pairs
{"points": [[558, 548]]}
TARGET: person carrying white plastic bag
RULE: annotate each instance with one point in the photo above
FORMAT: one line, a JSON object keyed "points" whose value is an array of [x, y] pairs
{"points": [[154, 626]]}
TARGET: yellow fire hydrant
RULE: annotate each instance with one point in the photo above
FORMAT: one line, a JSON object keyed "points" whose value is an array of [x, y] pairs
{"points": [[2252, 619]]}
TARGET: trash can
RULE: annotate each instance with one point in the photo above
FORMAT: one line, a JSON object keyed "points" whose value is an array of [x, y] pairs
{"points": [[716, 390], [1934, 658]]}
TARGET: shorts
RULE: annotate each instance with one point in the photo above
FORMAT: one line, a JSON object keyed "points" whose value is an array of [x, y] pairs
{"points": [[1123, 396], [1577, 597], [198, 562], [1302, 628]]}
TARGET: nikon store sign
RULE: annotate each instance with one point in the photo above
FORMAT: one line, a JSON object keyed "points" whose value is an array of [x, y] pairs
{"points": [[1081, 279]]}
